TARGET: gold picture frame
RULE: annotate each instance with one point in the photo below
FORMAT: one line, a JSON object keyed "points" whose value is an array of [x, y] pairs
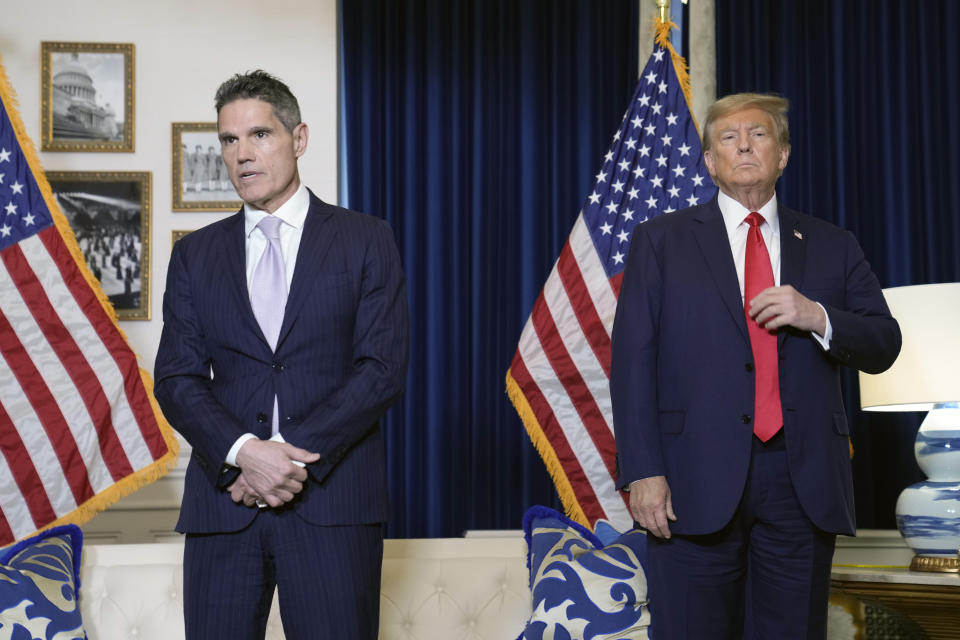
{"points": [[109, 212], [84, 87], [177, 234], [199, 177]]}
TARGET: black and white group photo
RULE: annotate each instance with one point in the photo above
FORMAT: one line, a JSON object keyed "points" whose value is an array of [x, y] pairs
{"points": [[200, 180], [107, 219]]}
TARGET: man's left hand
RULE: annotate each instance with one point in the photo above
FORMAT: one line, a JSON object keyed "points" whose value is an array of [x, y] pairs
{"points": [[241, 492], [776, 307]]}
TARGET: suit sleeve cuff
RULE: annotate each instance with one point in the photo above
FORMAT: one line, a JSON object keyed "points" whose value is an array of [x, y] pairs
{"points": [[235, 449], [827, 335]]}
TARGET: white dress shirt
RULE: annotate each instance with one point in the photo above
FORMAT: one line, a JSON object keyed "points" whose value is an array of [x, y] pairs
{"points": [[734, 215], [293, 214]]}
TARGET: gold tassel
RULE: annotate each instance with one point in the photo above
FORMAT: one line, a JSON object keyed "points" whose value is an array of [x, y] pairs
{"points": [[662, 37]]}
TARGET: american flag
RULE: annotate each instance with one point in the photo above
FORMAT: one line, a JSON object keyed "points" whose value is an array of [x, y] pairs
{"points": [[79, 427], [558, 380]]}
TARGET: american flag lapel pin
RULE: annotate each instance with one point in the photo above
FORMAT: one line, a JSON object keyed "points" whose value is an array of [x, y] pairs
{"points": [[798, 234]]}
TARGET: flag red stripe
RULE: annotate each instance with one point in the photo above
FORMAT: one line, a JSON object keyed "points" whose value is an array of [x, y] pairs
{"points": [[74, 362], [582, 304], [41, 399], [24, 474], [582, 489], [569, 376], [110, 336], [6, 533]]}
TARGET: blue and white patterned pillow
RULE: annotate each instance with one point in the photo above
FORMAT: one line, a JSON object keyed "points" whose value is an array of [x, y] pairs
{"points": [[582, 588], [39, 586]]}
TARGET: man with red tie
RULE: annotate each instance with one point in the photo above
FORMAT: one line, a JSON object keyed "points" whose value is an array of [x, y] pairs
{"points": [[733, 321]]}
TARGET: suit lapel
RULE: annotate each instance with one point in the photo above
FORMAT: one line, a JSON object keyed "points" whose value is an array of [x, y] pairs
{"points": [[234, 251], [714, 244], [318, 235], [792, 254]]}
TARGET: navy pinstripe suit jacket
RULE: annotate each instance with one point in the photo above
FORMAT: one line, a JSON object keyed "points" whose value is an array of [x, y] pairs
{"points": [[340, 362]]}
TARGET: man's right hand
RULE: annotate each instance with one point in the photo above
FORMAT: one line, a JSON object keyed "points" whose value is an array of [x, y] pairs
{"points": [[269, 470], [651, 506]]}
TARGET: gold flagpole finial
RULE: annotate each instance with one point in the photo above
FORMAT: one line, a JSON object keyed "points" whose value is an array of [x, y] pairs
{"points": [[663, 6]]}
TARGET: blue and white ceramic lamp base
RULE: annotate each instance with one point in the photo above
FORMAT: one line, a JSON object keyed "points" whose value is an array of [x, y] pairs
{"points": [[928, 513]]}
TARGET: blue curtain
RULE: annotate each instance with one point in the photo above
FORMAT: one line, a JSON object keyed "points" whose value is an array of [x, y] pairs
{"points": [[874, 87], [474, 128]]}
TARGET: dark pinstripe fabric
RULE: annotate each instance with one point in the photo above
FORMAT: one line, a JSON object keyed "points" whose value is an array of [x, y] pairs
{"points": [[281, 546], [340, 363]]}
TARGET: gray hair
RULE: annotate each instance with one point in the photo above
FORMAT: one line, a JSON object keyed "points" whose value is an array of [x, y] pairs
{"points": [[260, 85]]}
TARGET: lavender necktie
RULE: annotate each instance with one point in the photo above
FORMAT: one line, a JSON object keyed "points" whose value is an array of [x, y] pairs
{"points": [[268, 291]]}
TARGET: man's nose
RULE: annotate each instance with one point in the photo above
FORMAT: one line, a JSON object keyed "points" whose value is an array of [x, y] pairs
{"points": [[743, 143], [244, 151]]}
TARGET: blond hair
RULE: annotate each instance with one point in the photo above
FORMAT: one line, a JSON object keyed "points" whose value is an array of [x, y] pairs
{"points": [[769, 102]]}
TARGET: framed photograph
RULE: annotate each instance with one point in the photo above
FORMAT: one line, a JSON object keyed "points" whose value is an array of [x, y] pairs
{"points": [[109, 213], [87, 96], [200, 181]]}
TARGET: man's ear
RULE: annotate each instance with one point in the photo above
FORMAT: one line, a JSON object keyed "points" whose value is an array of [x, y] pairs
{"points": [[300, 136], [784, 156]]}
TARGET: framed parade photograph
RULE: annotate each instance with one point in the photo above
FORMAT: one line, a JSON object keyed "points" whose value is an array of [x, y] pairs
{"points": [[87, 96], [109, 212], [200, 181]]}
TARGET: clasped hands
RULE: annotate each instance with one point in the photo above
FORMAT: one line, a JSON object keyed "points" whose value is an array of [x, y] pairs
{"points": [[270, 473]]}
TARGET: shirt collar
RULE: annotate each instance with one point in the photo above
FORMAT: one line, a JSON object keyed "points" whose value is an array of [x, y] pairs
{"points": [[734, 213], [293, 212]]}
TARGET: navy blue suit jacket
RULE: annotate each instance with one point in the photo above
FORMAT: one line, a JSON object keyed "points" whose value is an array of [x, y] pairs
{"points": [[340, 362], [682, 381]]}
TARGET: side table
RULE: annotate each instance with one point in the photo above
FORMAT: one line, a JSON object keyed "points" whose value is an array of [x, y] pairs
{"points": [[931, 600]]}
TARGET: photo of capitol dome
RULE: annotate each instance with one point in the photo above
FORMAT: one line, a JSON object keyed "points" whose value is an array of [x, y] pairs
{"points": [[80, 99]]}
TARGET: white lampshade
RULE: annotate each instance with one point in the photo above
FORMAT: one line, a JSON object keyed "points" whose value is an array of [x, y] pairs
{"points": [[928, 368]]}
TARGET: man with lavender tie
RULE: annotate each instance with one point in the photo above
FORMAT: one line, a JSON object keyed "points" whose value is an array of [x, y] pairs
{"points": [[284, 342], [733, 322]]}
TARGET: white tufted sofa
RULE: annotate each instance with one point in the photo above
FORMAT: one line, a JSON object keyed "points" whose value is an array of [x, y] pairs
{"points": [[472, 588]]}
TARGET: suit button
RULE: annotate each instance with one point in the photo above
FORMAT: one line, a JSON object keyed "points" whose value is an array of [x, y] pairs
{"points": [[749, 367], [745, 419], [278, 366], [261, 417]]}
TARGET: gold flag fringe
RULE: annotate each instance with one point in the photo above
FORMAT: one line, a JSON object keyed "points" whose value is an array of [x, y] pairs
{"points": [[158, 468], [661, 32], [567, 496]]}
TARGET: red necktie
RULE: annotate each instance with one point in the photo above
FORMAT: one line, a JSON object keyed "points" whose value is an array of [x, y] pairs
{"points": [[757, 276]]}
